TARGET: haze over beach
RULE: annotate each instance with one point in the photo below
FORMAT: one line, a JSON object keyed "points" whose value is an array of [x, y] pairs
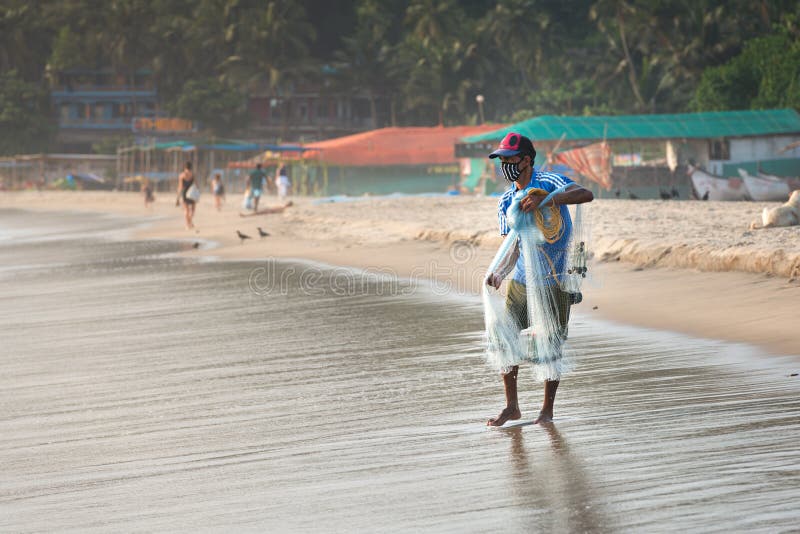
{"points": [[686, 256]]}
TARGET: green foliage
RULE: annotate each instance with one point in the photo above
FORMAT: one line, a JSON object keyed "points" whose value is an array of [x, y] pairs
{"points": [[365, 59], [109, 145], [421, 61], [218, 107], [24, 117], [67, 51], [765, 75]]}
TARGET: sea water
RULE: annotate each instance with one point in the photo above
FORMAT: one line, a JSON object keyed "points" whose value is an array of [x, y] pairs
{"points": [[144, 391]]}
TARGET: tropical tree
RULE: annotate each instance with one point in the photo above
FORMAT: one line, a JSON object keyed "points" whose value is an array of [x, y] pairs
{"points": [[24, 39], [220, 109], [68, 51], [439, 61], [660, 48], [269, 45], [765, 75], [25, 124], [365, 58]]}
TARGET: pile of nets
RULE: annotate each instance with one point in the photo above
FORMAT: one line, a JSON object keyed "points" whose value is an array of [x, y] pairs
{"points": [[542, 344]]}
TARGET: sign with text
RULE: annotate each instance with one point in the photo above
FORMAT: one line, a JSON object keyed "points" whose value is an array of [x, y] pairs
{"points": [[162, 124], [627, 160]]}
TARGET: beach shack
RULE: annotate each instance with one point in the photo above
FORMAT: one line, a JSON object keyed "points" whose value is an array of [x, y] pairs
{"points": [[390, 160], [161, 162], [644, 155], [83, 171]]}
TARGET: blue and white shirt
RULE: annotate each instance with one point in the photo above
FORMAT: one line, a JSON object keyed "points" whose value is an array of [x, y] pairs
{"points": [[555, 252]]}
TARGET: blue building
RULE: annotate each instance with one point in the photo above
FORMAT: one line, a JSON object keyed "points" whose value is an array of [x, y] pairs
{"points": [[93, 104]]}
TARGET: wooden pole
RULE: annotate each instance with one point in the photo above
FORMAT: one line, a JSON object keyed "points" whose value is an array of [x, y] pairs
{"points": [[325, 178]]}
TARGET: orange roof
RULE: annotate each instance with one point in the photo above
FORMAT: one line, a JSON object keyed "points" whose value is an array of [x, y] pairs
{"points": [[395, 146]]}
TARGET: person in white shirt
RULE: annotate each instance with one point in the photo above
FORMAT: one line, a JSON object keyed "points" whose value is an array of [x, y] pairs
{"points": [[283, 183]]}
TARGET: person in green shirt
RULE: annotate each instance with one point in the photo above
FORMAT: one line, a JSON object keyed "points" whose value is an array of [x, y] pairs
{"points": [[256, 183]]}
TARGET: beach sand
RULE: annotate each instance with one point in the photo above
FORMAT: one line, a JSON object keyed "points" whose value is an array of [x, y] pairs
{"points": [[144, 392], [687, 266]]}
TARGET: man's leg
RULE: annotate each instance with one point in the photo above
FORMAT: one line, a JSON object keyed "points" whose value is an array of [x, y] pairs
{"points": [[561, 305], [517, 307], [546, 415], [511, 410]]}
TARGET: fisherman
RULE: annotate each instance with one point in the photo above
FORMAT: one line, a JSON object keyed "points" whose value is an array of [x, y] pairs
{"points": [[517, 154]]}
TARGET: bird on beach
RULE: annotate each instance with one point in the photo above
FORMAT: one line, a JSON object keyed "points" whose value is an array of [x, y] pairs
{"points": [[664, 195], [262, 233], [632, 196], [196, 244], [242, 236], [617, 193], [675, 193]]}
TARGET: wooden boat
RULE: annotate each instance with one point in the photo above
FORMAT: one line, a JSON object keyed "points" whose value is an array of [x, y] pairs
{"points": [[793, 183], [765, 188], [710, 187]]}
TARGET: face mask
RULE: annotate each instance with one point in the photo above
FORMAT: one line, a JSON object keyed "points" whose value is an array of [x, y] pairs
{"points": [[510, 171]]}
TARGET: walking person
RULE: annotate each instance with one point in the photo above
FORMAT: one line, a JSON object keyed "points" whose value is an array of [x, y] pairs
{"points": [[147, 193], [517, 154], [187, 193], [283, 183], [256, 184], [218, 190]]}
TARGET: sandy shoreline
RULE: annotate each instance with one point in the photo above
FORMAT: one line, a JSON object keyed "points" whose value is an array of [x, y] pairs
{"points": [[684, 266]]}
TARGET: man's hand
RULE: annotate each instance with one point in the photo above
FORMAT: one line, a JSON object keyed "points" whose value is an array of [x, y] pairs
{"points": [[530, 202], [494, 280]]}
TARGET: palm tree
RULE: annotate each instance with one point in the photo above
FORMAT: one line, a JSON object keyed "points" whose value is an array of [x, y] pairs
{"points": [[24, 41], [439, 60], [366, 57]]}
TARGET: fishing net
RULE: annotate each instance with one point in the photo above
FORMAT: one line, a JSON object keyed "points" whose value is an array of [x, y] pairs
{"points": [[542, 343]]}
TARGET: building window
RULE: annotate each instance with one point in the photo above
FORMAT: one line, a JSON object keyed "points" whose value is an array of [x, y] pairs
{"points": [[302, 112], [275, 110], [719, 149], [99, 112]]}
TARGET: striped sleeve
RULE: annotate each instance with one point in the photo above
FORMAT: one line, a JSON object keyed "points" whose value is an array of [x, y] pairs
{"points": [[502, 207], [551, 181]]}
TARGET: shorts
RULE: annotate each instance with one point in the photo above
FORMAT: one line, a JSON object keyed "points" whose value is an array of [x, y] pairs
{"points": [[517, 305], [256, 193]]}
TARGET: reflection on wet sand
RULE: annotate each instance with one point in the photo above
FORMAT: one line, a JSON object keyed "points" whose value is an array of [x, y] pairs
{"points": [[551, 477]]}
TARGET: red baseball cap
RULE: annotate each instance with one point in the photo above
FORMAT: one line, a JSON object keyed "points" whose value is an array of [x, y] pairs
{"points": [[512, 145]]}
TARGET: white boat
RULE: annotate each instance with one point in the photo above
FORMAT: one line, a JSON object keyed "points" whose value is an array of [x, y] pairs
{"points": [[765, 188], [710, 187]]}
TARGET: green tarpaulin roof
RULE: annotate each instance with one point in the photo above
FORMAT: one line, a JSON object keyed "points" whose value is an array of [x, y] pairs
{"points": [[676, 126]]}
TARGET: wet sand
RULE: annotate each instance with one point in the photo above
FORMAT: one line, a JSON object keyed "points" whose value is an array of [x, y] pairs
{"points": [[147, 391], [691, 267]]}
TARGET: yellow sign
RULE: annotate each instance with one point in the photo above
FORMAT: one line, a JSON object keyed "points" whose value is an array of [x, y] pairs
{"points": [[443, 169], [146, 124]]}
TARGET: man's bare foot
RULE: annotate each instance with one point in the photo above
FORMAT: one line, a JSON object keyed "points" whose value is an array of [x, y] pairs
{"points": [[508, 414], [544, 418]]}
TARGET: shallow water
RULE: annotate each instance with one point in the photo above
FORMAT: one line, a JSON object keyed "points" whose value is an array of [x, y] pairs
{"points": [[142, 391]]}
